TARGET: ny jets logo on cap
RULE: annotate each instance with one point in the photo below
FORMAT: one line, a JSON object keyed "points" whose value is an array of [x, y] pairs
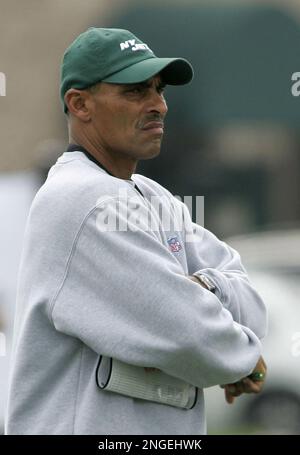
{"points": [[134, 46]]}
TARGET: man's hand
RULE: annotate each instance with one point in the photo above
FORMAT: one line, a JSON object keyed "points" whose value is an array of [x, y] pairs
{"points": [[250, 384]]}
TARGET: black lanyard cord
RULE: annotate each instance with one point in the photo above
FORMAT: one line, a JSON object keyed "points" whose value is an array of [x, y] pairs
{"points": [[79, 148]]}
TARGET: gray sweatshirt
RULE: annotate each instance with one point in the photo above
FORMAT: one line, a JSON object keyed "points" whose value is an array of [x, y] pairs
{"points": [[86, 290]]}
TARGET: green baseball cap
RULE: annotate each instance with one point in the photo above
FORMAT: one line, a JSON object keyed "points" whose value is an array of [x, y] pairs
{"points": [[116, 56]]}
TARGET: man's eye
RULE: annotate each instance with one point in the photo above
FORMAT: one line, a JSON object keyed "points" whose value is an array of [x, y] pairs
{"points": [[135, 90]]}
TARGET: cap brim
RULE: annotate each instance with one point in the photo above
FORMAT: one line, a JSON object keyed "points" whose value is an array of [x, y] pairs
{"points": [[174, 71]]}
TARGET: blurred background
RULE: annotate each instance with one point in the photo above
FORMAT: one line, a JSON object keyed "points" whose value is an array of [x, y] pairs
{"points": [[232, 136]]}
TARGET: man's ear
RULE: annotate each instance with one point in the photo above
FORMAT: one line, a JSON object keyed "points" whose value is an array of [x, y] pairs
{"points": [[77, 102]]}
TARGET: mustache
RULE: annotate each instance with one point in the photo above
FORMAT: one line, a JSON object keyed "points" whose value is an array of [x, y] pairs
{"points": [[150, 118]]}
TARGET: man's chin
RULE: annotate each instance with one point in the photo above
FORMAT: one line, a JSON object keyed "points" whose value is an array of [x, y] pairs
{"points": [[152, 152]]}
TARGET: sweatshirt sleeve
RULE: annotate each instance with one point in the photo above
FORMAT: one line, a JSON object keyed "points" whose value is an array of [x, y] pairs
{"points": [[222, 265], [125, 296]]}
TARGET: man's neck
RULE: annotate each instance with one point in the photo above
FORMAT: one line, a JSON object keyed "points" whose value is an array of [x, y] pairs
{"points": [[118, 166]]}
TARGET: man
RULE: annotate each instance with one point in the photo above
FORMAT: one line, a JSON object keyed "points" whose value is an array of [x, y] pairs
{"points": [[97, 282]]}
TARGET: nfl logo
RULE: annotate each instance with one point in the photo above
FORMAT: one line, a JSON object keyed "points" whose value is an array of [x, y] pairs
{"points": [[174, 244]]}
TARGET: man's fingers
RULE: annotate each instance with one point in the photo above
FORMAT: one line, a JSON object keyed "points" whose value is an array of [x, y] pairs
{"points": [[228, 397], [245, 385], [252, 386], [236, 389]]}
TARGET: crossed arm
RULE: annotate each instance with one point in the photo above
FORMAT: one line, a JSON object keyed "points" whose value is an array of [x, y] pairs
{"points": [[124, 295], [248, 384]]}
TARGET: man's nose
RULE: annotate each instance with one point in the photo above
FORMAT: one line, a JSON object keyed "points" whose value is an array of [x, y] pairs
{"points": [[157, 103]]}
